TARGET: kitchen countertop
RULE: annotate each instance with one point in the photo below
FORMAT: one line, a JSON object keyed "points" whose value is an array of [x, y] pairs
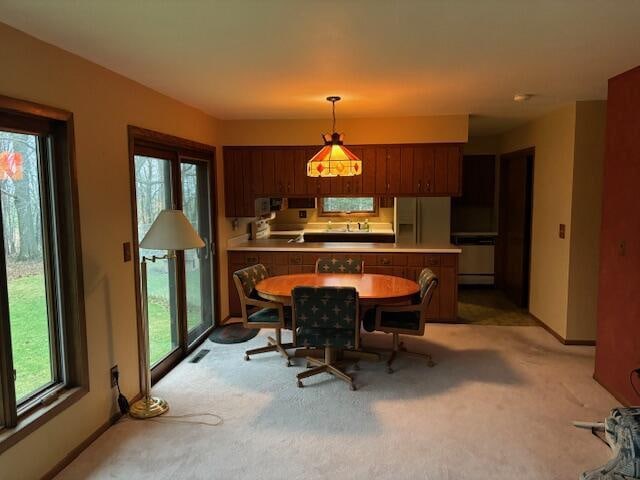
{"points": [[284, 246]]}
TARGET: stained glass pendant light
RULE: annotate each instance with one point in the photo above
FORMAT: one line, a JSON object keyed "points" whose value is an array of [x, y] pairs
{"points": [[334, 159]]}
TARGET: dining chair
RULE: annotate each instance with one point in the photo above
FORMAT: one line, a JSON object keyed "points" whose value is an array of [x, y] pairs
{"points": [[258, 313], [340, 265], [326, 317], [407, 319]]}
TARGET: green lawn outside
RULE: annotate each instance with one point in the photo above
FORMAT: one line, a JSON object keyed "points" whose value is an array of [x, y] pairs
{"points": [[30, 334]]}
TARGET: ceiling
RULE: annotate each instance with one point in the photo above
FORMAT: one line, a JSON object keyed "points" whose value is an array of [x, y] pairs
{"points": [[254, 59]]}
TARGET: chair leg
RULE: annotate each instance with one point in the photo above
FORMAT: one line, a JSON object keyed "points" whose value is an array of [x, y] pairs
{"points": [[398, 347], [274, 345], [269, 348], [309, 373], [341, 375], [327, 365]]}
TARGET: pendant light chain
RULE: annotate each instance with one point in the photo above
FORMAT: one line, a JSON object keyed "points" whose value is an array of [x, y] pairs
{"points": [[333, 103]]}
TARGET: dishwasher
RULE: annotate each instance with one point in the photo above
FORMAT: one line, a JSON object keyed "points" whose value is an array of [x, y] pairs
{"points": [[476, 265]]}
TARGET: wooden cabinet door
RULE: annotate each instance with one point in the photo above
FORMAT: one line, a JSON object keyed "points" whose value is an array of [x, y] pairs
{"points": [[408, 182], [381, 170], [441, 162], [284, 167], [229, 183], [352, 186], [368, 170], [300, 178], [454, 170], [257, 187], [235, 205], [269, 173], [247, 204], [447, 169], [393, 170], [424, 168]]}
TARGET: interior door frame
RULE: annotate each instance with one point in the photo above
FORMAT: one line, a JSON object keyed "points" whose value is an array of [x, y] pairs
{"points": [[187, 149], [529, 155]]}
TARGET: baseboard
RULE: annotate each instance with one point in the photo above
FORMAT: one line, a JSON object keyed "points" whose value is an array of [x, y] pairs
{"points": [[73, 454], [617, 395], [560, 338]]}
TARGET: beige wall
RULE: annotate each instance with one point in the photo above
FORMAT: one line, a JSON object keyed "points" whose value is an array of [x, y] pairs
{"points": [[585, 220], [103, 104], [553, 139], [569, 151], [446, 128]]}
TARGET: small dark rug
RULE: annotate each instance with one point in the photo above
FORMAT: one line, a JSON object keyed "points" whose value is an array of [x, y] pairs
{"points": [[233, 333]]}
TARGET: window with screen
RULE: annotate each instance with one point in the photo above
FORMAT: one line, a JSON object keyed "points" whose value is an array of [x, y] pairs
{"points": [[348, 206], [42, 343]]}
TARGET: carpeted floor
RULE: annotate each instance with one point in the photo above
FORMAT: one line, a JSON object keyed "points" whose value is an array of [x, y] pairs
{"points": [[498, 405], [487, 306]]}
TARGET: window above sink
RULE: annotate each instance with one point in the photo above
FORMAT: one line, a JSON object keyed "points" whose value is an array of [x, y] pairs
{"points": [[352, 206]]}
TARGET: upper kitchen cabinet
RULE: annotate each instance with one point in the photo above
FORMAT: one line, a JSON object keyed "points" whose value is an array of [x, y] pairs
{"points": [[428, 170], [447, 170], [479, 178], [417, 170]]}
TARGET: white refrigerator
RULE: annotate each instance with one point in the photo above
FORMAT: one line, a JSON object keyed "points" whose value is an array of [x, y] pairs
{"points": [[424, 220]]}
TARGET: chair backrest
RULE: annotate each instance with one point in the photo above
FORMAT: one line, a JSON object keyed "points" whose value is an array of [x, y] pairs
{"points": [[326, 316], [340, 265], [246, 280], [428, 281]]}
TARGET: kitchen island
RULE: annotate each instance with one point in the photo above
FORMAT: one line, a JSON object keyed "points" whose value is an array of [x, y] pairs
{"points": [[281, 258]]}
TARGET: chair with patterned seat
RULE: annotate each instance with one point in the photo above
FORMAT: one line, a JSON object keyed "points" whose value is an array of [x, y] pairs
{"points": [[326, 318], [407, 319], [258, 313], [339, 265]]}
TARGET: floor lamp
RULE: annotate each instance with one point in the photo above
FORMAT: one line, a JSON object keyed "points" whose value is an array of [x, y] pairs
{"points": [[170, 231]]}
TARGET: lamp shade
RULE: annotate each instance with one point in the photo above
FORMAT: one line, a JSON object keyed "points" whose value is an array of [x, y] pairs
{"points": [[171, 230], [334, 160]]}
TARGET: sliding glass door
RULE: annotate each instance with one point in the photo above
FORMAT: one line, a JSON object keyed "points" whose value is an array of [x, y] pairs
{"points": [[180, 303], [154, 194], [198, 265]]}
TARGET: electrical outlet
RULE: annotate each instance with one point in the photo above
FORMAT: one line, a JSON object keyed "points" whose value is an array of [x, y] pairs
{"points": [[114, 373], [302, 214]]}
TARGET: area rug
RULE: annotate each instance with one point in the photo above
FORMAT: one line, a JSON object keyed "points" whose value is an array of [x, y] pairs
{"points": [[233, 333]]}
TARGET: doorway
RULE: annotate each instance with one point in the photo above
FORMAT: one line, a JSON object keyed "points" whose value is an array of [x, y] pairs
{"points": [[172, 173], [513, 245]]}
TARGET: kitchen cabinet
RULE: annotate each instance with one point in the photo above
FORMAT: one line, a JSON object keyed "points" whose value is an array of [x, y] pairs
{"points": [[412, 170], [479, 178], [444, 304]]}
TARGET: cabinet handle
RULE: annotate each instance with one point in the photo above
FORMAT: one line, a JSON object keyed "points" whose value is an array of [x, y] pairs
{"points": [[386, 261], [388, 186], [428, 186], [419, 186], [252, 259]]}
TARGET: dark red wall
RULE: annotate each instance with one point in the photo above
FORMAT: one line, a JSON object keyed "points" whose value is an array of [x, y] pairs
{"points": [[618, 342]]}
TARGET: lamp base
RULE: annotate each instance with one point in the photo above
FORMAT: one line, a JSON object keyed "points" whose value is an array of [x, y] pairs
{"points": [[148, 407]]}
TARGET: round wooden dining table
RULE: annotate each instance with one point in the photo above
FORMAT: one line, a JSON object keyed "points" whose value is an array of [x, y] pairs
{"points": [[371, 287]]}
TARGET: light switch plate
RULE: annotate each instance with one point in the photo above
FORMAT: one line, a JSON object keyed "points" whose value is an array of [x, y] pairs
{"points": [[126, 251], [562, 230]]}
